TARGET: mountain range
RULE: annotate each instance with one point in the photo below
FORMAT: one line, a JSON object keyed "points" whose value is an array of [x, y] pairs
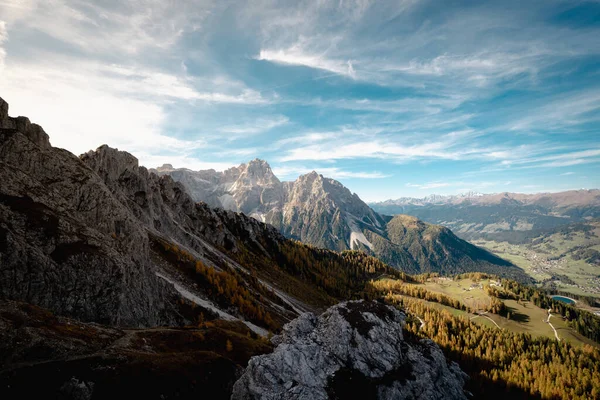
{"points": [[322, 212], [115, 282], [476, 215]]}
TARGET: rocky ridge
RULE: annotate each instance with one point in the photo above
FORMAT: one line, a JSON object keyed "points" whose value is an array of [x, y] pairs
{"points": [[313, 209], [355, 349], [49, 253], [78, 235]]}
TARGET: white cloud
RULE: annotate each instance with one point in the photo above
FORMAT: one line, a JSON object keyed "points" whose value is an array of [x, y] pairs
{"points": [[295, 55], [430, 185], [378, 145], [85, 104], [557, 160], [136, 81], [292, 172], [561, 112], [127, 27], [480, 69], [3, 38], [259, 125]]}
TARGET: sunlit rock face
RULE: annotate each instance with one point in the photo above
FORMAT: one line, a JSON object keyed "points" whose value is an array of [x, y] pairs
{"points": [[355, 349]]}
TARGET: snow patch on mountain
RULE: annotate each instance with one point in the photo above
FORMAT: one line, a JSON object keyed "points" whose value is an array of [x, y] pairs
{"points": [[186, 294], [356, 236]]}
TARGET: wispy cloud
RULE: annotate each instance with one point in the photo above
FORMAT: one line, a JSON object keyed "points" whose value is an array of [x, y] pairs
{"points": [[3, 38], [376, 143], [89, 104], [292, 172], [430, 185], [562, 112], [297, 56], [558, 160], [137, 81], [127, 27], [260, 125]]}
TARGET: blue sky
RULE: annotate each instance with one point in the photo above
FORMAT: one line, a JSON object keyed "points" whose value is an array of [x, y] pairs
{"points": [[392, 98]]}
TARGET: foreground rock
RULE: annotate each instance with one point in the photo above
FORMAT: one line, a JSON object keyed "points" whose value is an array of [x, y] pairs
{"points": [[353, 350]]}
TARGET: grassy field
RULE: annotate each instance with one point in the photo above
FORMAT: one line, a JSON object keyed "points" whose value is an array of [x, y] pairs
{"points": [[551, 260], [524, 316]]}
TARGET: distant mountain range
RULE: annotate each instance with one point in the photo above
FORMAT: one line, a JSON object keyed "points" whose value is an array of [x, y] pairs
{"points": [[476, 215], [569, 198], [322, 212]]}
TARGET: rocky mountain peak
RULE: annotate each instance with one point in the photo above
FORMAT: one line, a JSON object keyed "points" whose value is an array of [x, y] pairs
{"points": [[257, 170], [33, 132], [110, 163], [3, 109], [355, 349]]}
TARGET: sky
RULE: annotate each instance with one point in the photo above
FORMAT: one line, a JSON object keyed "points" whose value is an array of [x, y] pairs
{"points": [[392, 98]]}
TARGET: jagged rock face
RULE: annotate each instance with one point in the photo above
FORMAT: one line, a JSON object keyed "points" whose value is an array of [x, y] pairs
{"points": [[323, 212], [75, 233], [353, 350], [22, 124], [165, 206], [312, 209], [250, 188], [66, 243]]}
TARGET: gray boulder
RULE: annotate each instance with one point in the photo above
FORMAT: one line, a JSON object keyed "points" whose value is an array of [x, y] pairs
{"points": [[355, 349]]}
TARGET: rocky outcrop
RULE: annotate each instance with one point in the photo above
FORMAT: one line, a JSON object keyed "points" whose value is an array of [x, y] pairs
{"points": [[34, 132], [323, 212], [66, 242], [355, 349], [251, 188]]}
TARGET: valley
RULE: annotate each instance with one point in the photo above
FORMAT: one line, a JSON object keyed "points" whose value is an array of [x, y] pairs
{"points": [[565, 259], [504, 343], [474, 300], [554, 238]]}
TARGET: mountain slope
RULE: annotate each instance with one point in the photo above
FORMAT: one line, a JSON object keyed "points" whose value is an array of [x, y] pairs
{"points": [[164, 295], [324, 213], [101, 239], [433, 248]]}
